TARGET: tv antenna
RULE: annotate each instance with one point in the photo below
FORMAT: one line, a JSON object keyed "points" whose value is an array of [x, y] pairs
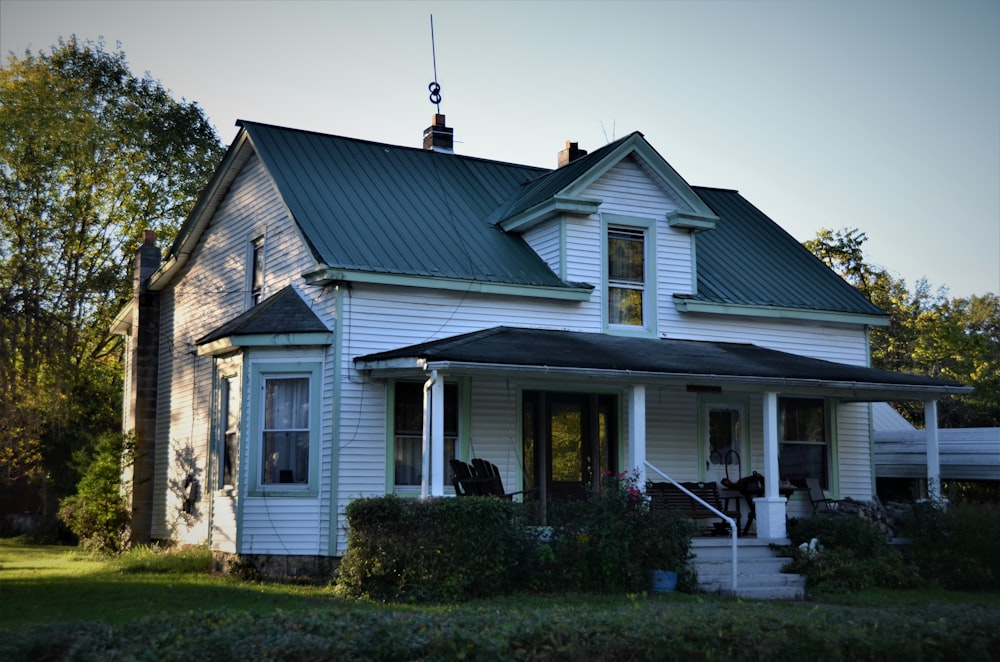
{"points": [[434, 88]]}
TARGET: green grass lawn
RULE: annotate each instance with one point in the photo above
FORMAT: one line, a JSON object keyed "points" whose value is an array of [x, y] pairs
{"points": [[51, 584], [55, 602]]}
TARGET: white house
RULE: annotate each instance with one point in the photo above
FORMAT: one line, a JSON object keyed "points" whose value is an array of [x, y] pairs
{"points": [[337, 318]]}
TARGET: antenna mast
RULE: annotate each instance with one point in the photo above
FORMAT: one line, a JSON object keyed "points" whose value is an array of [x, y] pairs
{"points": [[434, 88]]}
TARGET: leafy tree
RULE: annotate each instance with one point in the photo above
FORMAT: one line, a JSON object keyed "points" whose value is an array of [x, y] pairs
{"points": [[928, 334], [90, 156]]}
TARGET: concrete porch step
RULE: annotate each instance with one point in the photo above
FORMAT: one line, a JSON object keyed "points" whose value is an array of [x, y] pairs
{"points": [[759, 575]]}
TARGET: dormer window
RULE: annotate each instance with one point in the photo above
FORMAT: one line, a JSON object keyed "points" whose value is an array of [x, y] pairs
{"points": [[626, 276]]}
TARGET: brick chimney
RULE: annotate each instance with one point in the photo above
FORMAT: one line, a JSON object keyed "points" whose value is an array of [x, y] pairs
{"points": [[143, 363], [438, 137], [570, 154]]}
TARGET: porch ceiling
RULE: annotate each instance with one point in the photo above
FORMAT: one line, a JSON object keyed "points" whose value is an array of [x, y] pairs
{"points": [[542, 353]]}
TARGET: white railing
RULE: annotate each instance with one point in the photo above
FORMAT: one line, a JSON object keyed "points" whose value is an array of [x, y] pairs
{"points": [[733, 525]]}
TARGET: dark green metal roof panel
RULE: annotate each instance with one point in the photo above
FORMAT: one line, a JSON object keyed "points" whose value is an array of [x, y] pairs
{"points": [[748, 259], [396, 210]]}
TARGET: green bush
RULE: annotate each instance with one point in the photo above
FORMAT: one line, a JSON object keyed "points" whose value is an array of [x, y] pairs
{"points": [[98, 514], [957, 546], [852, 555], [439, 549], [612, 542], [651, 630]]}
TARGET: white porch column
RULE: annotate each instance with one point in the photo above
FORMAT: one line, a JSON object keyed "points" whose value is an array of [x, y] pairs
{"points": [[933, 453], [637, 432], [770, 508], [437, 434]]}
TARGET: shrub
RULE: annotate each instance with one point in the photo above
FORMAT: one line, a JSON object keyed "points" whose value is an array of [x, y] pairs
{"points": [[612, 542], [957, 547], [98, 514], [852, 555], [440, 549]]}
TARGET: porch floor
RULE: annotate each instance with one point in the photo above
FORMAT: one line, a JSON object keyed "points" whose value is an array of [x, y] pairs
{"points": [[758, 574]]}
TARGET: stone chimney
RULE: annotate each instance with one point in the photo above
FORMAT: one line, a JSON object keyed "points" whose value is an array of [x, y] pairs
{"points": [[570, 154], [143, 363], [438, 137]]}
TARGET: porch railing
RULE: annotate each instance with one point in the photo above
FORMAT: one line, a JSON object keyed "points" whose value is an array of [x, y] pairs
{"points": [[733, 525]]}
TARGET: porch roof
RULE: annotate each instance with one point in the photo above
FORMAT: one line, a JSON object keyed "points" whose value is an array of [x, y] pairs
{"points": [[695, 364]]}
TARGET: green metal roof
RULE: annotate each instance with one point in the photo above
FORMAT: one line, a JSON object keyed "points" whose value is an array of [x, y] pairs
{"points": [[409, 212], [749, 260], [381, 208]]}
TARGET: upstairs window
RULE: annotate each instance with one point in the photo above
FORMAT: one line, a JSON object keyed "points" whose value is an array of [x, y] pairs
{"points": [[256, 271], [626, 276]]}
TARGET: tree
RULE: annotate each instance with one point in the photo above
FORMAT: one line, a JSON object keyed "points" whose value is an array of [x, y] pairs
{"points": [[90, 157], [928, 334]]}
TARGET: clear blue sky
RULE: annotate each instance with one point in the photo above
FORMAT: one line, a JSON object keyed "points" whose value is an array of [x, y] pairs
{"points": [[881, 115]]}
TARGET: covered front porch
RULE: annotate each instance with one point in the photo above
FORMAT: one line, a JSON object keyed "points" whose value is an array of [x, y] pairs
{"points": [[556, 409]]}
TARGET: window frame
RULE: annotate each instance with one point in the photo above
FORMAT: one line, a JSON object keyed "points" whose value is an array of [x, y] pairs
{"points": [[828, 477], [630, 224], [261, 371], [461, 392]]}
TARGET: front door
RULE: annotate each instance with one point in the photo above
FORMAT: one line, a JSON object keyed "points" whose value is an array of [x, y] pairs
{"points": [[569, 441], [723, 436]]}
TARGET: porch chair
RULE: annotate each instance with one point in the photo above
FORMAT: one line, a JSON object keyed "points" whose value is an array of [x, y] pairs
{"points": [[465, 481], [489, 473], [820, 502]]}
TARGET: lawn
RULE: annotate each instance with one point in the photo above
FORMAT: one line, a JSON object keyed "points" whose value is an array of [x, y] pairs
{"points": [[55, 603]]}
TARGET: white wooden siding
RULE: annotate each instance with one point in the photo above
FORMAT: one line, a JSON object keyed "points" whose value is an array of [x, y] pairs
{"points": [[212, 287], [546, 241]]}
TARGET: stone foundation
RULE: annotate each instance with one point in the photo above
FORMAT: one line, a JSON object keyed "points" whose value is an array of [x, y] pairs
{"points": [[277, 567], [888, 518]]}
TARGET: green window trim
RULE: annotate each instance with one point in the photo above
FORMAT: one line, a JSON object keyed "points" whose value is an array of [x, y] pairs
{"points": [[625, 227], [261, 372]]}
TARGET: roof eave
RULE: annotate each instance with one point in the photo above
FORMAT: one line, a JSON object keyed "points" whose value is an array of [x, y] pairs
{"points": [[846, 390], [200, 216], [554, 206], [688, 305], [236, 341], [328, 275]]}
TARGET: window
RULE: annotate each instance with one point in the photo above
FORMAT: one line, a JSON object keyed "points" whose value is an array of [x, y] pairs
{"points": [[626, 276], [408, 423], [284, 451], [256, 270], [229, 429], [803, 439]]}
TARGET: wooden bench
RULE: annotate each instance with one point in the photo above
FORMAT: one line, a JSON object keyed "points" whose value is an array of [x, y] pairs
{"points": [[669, 498]]}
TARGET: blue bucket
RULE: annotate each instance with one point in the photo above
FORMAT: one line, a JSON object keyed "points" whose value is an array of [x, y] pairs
{"points": [[664, 581]]}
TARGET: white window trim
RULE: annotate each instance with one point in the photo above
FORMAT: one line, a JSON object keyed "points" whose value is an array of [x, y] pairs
{"points": [[649, 306], [830, 432], [259, 371]]}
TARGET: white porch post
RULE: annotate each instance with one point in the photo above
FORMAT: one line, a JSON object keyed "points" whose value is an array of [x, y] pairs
{"points": [[432, 467], [933, 453], [770, 508], [637, 432], [437, 434]]}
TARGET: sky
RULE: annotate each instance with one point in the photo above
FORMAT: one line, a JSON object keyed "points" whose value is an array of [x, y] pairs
{"points": [[881, 115]]}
